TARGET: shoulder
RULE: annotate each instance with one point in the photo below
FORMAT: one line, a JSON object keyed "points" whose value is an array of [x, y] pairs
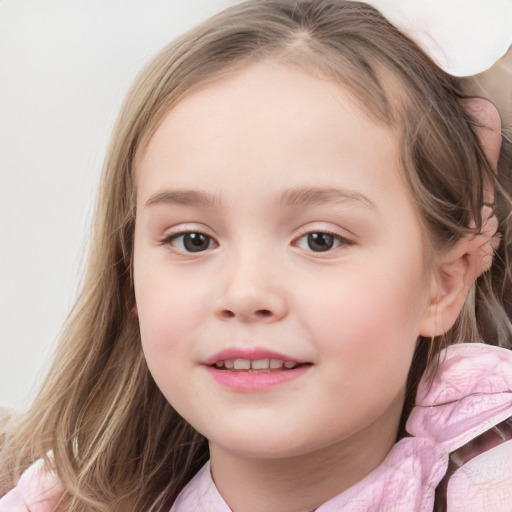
{"points": [[469, 394], [465, 411], [37, 491], [480, 473]]}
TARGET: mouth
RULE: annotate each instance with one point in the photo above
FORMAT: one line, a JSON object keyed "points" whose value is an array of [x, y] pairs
{"points": [[266, 365], [254, 370], [255, 375]]}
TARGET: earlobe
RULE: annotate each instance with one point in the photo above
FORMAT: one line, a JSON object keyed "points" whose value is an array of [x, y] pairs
{"points": [[449, 287]]}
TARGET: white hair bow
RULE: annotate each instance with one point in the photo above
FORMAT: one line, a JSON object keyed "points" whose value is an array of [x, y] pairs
{"points": [[466, 38]]}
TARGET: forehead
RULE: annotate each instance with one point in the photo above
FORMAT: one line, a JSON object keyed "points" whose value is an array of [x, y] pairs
{"points": [[270, 116]]}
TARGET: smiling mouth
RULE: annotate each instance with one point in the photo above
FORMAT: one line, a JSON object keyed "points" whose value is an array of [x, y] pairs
{"points": [[256, 365]]}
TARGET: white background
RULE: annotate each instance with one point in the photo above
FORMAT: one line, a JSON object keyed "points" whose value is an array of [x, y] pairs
{"points": [[65, 66]]}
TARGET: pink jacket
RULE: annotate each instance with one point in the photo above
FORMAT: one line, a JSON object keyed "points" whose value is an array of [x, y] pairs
{"points": [[461, 445]]}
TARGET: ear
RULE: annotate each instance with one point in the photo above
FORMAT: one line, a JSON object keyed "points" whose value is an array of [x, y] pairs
{"points": [[450, 283], [458, 268], [455, 271], [135, 311]]}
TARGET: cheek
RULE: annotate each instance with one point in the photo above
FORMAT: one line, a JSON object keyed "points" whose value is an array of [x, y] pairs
{"points": [[367, 322], [167, 311], [166, 320]]}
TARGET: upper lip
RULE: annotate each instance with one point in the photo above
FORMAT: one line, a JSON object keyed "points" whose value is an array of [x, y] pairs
{"points": [[253, 354]]}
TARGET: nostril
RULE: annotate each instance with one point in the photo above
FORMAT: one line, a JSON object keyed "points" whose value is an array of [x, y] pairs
{"points": [[264, 313], [260, 313]]}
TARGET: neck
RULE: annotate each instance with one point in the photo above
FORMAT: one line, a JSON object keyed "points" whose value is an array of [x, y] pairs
{"points": [[300, 483]]}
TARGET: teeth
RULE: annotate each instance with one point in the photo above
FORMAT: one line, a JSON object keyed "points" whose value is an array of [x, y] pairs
{"points": [[260, 364], [257, 364], [242, 364]]}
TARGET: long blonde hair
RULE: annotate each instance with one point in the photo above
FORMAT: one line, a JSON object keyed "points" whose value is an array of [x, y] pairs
{"points": [[117, 444]]}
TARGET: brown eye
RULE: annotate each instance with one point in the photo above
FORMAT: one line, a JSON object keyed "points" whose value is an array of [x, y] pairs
{"points": [[319, 242], [191, 242], [195, 242]]}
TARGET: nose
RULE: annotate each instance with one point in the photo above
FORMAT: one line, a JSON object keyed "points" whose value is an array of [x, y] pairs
{"points": [[251, 292]]}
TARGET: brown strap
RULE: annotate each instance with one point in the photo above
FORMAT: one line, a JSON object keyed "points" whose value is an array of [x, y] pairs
{"points": [[489, 439]]}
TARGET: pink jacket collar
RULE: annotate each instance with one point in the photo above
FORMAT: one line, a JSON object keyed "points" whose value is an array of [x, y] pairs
{"points": [[471, 393]]}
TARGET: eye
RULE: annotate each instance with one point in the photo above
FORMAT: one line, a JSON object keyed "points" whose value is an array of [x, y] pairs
{"points": [[190, 241], [321, 241]]}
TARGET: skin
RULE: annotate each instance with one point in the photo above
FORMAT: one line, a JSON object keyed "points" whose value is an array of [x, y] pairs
{"points": [[354, 312]]}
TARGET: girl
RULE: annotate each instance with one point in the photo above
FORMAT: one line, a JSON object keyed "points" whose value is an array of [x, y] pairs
{"points": [[300, 216]]}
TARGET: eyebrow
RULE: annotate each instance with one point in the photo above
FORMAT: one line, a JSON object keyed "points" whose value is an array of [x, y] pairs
{"points": [[180, 198], [304, 196], [299, 196]]}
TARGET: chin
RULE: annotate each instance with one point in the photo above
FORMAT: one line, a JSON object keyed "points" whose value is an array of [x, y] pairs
{"points": [[268, 451], [275, 442]]}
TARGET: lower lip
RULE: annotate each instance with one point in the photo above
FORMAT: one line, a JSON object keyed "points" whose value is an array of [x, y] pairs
{"points": [[257, 381]]}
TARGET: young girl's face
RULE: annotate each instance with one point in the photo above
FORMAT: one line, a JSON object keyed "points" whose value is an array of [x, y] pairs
{"points": [[274, 230]]}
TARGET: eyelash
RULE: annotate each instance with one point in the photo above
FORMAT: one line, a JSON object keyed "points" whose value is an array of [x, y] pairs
{"points": [[342, 241], [172, 237]]}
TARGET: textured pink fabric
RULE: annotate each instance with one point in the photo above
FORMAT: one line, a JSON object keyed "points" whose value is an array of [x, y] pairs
{"points": [[471, 393], [37, 491], [485, 482]]}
